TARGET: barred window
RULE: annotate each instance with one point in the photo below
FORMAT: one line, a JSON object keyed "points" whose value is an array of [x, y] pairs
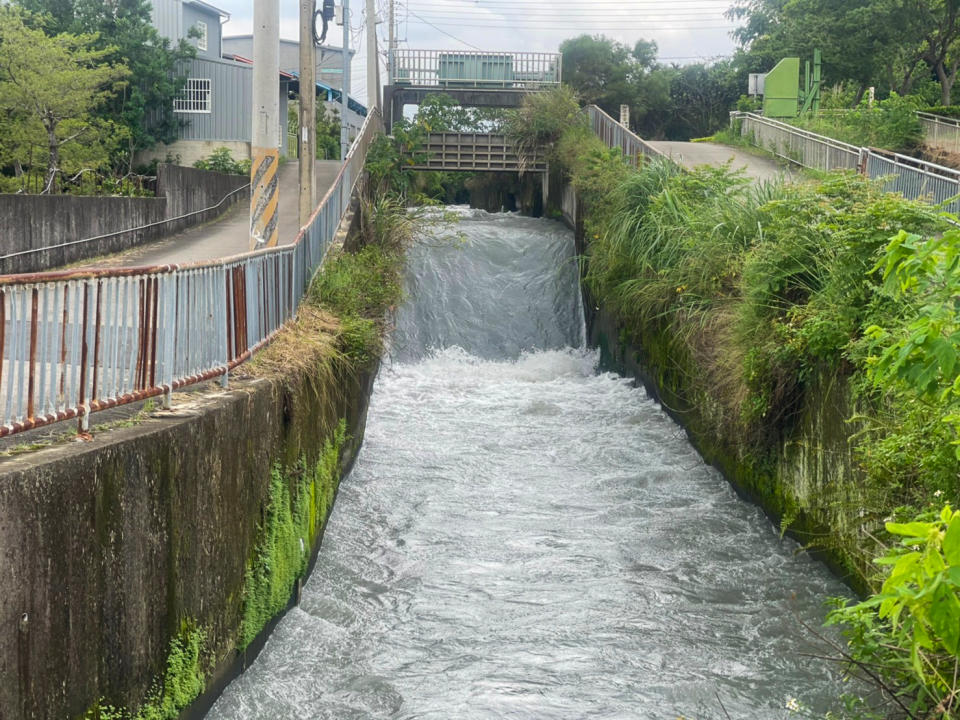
{"points": [[194, 98], [202, 40]]}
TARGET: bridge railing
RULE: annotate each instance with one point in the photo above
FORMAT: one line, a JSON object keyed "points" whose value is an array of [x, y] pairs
{"points": [[941, 132], [73, 343], [614, 134], [475, 69], [914, 179], [797, 145]]}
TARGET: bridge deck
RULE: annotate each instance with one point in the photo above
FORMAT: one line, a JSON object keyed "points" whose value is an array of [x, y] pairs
{"points": [[473, 152]]}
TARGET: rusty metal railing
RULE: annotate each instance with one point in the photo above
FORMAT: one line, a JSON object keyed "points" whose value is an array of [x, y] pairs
{"points": [[614, 135], [74, 343]]}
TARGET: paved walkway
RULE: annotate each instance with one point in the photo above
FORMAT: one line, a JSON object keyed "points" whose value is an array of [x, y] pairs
{"points": [[230, 235], [691, 155]]}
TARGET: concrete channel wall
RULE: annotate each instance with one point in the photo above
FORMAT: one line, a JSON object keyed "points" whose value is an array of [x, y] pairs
{"points": [[108, 547], [50, 225]]}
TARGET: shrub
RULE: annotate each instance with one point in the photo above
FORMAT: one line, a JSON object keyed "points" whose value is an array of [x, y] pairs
{"points": [[221, 161]]}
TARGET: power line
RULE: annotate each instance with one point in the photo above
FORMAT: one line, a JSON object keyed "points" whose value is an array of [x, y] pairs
{"points": [[556, 25], [438, 29]]}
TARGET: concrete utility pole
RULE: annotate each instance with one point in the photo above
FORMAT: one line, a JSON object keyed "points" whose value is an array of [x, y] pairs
{"points": [[345, 88], [373, 62], [391, 45], [308, 111], [265, 144]]}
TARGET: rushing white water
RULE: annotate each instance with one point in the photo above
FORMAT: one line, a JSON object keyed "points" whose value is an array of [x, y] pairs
{"points": [[524, 537]]}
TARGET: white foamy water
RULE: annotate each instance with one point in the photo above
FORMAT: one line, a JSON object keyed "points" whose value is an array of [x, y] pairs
{"points": [[526, 537]]}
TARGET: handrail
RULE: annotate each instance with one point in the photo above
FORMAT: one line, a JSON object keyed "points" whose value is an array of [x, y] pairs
{"points": [[616, 135], [911, 177], [797, 145], [941, 119], [76, 342]]}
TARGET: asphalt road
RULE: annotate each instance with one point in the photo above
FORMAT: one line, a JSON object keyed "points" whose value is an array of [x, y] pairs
{"points": [[691, 155], [230, 234]]}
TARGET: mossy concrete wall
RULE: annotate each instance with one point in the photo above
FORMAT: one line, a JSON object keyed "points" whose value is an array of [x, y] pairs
{"points": [[108, 546], [807, 480]]}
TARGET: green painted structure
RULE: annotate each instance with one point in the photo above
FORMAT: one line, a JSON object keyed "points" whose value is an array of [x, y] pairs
{"points": [[781, 93], [783, 97]]}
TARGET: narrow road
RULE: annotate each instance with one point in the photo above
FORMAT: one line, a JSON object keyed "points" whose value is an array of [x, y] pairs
{"points": [[690, 155], [230, 234]]}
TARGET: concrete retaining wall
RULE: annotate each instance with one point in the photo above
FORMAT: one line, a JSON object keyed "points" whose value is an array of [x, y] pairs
{"points": [[106, 547], [44, 223]]}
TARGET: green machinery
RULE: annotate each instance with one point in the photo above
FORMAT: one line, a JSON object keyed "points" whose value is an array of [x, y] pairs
{"points": [[782, 95]]}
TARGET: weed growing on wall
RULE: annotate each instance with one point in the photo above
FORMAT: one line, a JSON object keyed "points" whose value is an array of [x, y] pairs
{"points": [[183, 680], [290, 529]]}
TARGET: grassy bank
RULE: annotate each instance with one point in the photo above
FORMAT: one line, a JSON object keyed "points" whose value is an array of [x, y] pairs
{"points": [[761, 311]]}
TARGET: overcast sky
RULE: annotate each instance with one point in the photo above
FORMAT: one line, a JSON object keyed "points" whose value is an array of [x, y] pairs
{"points": [[685, 30]]}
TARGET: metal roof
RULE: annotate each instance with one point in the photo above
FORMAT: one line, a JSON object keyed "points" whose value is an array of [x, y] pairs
{"points": [[334, 93], [207, 6]]}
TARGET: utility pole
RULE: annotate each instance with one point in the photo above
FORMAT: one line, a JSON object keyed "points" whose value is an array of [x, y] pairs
{"points": [[345, 88], [391, 46], [373, 62], [308, 110], [265, 143]]}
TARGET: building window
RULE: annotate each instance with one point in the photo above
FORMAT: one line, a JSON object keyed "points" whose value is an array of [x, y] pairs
{"points": [[194, 98], [202, 40]]}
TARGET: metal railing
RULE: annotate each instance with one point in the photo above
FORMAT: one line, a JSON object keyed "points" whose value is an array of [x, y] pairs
{"points": [[475, 69], [915, 179], [912, 178], [803, 147], [73, 343], [614, 134], [941, 132]]}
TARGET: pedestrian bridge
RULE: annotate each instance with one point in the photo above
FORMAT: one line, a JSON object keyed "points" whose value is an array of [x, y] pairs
{"points": [[472, 78]]}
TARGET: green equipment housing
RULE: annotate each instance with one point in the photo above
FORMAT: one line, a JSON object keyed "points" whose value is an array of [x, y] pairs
{"points": [[782, 95]]}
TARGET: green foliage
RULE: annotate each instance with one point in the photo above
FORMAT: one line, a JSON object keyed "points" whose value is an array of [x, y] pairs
{"points": [[328, 134], [360, 284], [906, 637], [950, 111], [891, 124], [391, 157], [441, 113], [289, 531], [50, 88], [183, 680], [543, 118], [221, 161], [142, 108]]}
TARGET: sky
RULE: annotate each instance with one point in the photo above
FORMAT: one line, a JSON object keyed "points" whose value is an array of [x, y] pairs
{"points": [[685, 30]]}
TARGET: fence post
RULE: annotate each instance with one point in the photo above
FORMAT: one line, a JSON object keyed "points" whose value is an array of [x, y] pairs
{"points": [[862, 161]]}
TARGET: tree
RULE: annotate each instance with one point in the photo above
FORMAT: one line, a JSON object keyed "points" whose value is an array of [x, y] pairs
{"points": [[606, 73], [701, 97], [49, 88], [144, 106]]}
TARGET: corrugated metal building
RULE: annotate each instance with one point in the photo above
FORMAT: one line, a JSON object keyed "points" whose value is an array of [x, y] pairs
{"points": [[215, 106], [329, 72]]}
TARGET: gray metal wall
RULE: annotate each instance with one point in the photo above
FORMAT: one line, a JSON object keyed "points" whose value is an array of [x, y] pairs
{"points": [[167, 18], [328, 58], [231, 104], [191, 15]]}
